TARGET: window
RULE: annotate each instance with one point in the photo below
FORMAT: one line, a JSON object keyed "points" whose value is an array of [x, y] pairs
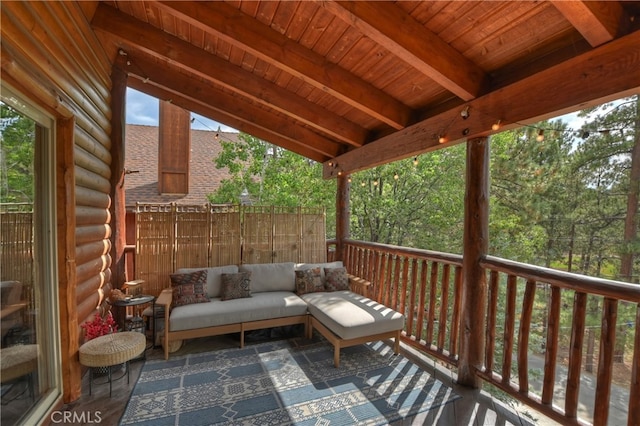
{"points": [[28, 274]]}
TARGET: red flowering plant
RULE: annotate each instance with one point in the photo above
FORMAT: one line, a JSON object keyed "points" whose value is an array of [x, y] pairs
{"points": [[100, 326]]}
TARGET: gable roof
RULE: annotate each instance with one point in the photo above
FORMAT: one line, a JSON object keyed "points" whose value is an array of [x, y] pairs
{"points": [[141, 166], [355, 84]]}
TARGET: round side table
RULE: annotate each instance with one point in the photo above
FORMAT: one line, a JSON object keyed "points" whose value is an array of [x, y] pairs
{"points": [[112, 349]]}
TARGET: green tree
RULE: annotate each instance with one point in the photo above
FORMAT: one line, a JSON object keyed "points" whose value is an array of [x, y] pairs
{"points": [[264, 174], [527, 196], [410, 202], [17, 134]]}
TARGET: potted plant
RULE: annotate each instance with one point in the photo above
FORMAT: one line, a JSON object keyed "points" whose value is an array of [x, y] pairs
{"points": [[102, 324], [99, 326]]}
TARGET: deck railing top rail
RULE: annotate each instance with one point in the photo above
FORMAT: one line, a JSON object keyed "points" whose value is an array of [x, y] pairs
{"points": [[450, 258], [567, 280]]}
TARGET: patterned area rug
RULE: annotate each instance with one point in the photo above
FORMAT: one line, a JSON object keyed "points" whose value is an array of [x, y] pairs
{"points": [[281, 383]]}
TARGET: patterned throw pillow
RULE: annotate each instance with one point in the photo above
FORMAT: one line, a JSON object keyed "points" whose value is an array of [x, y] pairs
{"points": [[336, 279], [309, 281], [236, 286], [189, 288]]}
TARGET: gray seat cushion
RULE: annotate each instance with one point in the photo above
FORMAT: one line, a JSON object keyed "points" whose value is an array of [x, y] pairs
{"points": [[350, 315], [260, 306]]}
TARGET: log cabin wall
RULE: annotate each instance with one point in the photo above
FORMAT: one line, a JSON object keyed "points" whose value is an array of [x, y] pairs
{"points": [[52, 57]]}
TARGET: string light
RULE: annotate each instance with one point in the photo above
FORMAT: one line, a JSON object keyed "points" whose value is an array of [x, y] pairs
{"points": [[415, 161], [442, 139], [495, 126], [540, 136], [396, 176], [375, 182]]}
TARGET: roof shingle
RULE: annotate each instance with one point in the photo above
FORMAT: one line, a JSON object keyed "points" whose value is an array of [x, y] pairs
{"points": [[141, 164]]}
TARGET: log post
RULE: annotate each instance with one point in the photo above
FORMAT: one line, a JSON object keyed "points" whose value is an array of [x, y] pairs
{"points": [[66, 224], [476, 239], [118, 208], [342, 214]]}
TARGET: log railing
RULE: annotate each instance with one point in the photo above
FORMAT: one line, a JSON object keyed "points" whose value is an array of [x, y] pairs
{"points": [[575, 327], [545, 329], [405, 279]]}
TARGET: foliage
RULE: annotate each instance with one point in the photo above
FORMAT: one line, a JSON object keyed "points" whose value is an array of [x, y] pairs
{"points": [[411, 201], [99, 326], [17, 134], [273, 176]]}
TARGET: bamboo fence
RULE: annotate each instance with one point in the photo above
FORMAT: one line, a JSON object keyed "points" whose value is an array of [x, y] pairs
{"points": [[170, 236]]}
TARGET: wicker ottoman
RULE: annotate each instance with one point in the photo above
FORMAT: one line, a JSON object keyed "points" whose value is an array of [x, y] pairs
{"points": [[112, 349], [17, 361]]}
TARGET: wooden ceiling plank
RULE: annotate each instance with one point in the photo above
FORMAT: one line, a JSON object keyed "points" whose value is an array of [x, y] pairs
{"points": [[272, 46], [138, 35], [414, 44], [602, 74], [201, 92], [598, 21]]}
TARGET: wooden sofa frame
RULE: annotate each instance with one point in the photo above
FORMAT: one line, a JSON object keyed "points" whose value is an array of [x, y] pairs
{"points": [[173, 339]]}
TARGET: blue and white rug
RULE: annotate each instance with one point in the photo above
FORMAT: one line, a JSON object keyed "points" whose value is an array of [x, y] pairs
{"points": [[280, 383]]}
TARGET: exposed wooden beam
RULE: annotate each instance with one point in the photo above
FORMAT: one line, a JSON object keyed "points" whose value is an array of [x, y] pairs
{"points": [[598, 21], [605, 73], [219, 116], [167, 76], [243, 31], [127, 31], [388, 25]]}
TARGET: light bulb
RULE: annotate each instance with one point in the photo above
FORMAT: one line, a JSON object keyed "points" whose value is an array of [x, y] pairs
{"points": [[495, 126], [442, 139], [540, 136], [415, 161]]}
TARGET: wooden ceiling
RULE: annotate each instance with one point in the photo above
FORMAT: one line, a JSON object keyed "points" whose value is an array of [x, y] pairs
{"points": [[358, 84]]}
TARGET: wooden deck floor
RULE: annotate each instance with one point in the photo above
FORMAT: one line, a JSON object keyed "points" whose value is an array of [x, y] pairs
{"points": [[474, 408]]}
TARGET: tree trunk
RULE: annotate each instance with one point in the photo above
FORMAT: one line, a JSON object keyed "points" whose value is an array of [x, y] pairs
{"points": [[630, 227], [591, 343], [621, 342], [571, 242]]}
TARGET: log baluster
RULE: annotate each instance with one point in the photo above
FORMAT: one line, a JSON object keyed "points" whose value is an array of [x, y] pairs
{"points": [[509, 325], [424, 266], [444, 306], [523, 336], [455, 316], [575, 354], [403, 285], [492, 312], [397, 263], [605, 362], [432, 301], [551, 346], [634, 391], [412, 297]]}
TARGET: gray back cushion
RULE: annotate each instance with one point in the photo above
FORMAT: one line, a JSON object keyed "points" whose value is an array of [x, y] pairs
{"points": [[271, 276]]}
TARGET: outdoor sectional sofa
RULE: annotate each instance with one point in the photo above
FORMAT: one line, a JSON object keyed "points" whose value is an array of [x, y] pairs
{"points": [[259, 296]]}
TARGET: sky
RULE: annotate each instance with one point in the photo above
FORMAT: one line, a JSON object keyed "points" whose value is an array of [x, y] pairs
{"points": [[143, 109]]}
